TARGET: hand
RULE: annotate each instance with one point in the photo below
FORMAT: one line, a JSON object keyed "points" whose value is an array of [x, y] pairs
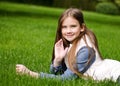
{"points": [[60, 52], [21, 69]]}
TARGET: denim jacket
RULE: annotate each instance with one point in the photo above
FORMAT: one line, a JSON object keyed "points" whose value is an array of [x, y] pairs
{"points": [[63, 73]]}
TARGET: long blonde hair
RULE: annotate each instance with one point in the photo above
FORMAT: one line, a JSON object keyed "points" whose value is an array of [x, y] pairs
{"points": [[78, 15]]}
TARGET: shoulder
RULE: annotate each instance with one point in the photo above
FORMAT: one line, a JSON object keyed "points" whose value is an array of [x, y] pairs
{"points": [[82, 43], [84, 53]]}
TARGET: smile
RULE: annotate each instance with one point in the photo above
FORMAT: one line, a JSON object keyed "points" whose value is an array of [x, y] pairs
{"points": [[69, 35]]}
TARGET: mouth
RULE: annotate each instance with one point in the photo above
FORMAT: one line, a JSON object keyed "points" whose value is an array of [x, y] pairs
{"points": [[69, 36]]}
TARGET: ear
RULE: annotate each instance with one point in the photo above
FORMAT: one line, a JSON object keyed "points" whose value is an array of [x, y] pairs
{"points": [[83, 28]]}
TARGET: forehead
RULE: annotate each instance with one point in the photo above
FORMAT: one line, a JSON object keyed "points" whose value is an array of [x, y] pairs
{"points": [[70, 20]]}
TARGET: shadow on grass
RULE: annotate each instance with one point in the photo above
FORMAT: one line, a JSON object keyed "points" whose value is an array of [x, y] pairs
{"points": [[52, 15], [27, 14]]}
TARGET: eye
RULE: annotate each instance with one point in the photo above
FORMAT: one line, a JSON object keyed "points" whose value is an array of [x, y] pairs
{"points": [[63, 27], [73, 26]]}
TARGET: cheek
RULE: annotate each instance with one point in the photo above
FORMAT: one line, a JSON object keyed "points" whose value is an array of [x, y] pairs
{"points": [[77, 31], [63, 32]]}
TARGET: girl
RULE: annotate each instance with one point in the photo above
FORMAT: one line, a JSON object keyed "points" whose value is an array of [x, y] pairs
{"points": [[76, 53]]}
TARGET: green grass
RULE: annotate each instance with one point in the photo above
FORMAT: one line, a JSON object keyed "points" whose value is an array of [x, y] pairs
{"points": [[27, 34]]}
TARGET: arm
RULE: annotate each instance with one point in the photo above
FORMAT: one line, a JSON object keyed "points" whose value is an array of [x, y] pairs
{"points": [[58, 70], [67, 75], [85, 58], [58, 66], [60, 53], [82, 58]]}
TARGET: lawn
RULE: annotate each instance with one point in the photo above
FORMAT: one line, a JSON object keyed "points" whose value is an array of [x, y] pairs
{"points": [[27, 34]]}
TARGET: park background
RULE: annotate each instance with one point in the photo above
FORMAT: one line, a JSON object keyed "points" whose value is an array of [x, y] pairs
{"points": [[27, 34]]}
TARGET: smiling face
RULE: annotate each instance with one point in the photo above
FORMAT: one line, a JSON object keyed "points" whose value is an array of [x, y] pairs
{"points": [[71, 29]]}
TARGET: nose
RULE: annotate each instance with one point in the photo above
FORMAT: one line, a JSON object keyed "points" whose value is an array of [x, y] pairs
{"points": [[69, 30]]}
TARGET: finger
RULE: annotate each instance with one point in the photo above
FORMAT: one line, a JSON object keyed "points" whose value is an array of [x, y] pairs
{"points": [[59, 43], [66, 49], [17, 68], [18, 65], [17, 71], [61, 40]]}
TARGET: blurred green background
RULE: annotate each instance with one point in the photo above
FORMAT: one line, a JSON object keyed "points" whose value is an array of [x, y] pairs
{"points": [[83, 4]]}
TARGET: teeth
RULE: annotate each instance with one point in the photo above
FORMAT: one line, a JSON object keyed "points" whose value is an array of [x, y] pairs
{"points": [[69, 35]]}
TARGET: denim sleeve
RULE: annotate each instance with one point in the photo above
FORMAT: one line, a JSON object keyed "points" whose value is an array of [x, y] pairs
{"points": [[82, 58], [67, 75], [83, 55], [56, 70]]}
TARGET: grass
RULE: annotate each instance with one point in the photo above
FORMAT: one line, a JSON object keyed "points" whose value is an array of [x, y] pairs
{"points": [[27, 35]]}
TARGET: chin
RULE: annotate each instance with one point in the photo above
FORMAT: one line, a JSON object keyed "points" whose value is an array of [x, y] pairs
{"points": [[69, 40]]}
